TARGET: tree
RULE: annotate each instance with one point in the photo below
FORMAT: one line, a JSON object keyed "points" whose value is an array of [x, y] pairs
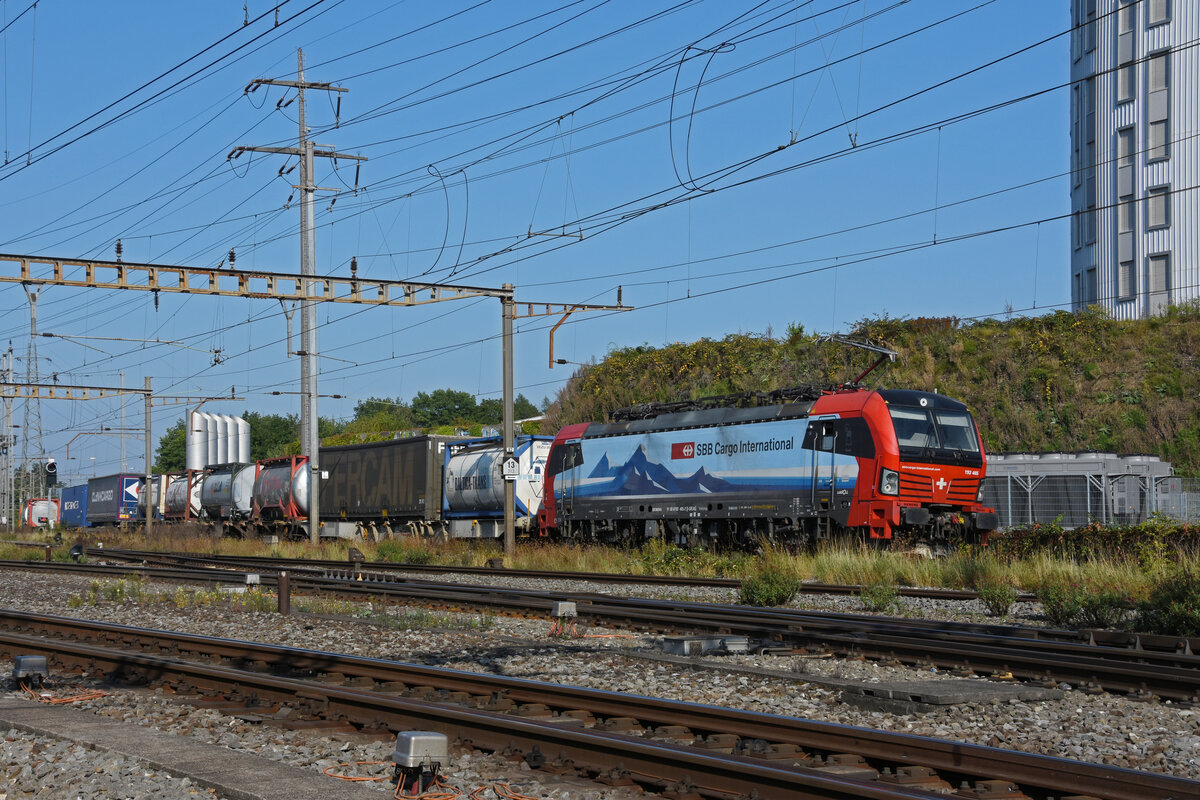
{"points": [[171, 455], [443, 407], [523, 409], [381, 414], [270, 434]]}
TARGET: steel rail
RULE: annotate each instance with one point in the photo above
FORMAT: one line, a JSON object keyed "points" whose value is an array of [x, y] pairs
{"points": [[707, 772], [946, 758], [982, 649], [293, 564]]}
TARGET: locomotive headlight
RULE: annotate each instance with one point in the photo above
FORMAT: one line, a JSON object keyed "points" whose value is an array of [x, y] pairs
{"points": [[979, 494], [889, 482]]}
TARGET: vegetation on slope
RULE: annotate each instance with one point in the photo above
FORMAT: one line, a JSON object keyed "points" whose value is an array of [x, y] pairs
{"points": [[1062, 381]]}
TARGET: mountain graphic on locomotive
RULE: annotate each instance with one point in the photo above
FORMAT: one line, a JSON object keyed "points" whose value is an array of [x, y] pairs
{"points": [[796, 466]]}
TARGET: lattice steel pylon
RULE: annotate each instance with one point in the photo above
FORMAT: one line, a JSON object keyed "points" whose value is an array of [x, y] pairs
{"points": [[32, 478]]}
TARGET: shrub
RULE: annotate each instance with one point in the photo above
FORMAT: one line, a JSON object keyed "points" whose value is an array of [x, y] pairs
{"points": [[996, 594], [1102, 607], [1173, 607], [769, 588], [880, 597], [1061, 602], [402, 552]]}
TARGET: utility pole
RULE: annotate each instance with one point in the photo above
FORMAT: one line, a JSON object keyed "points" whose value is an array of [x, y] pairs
{"points": [[510, 503], [7, 440], [306, 151], [122, 438], [31, 430], [147, 487]]}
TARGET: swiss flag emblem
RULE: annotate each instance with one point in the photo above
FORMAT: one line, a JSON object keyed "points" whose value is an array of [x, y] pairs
{"points": [[683, 450]]}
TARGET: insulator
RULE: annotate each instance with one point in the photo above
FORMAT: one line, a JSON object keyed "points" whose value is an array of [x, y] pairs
{"points": [[354, 266], [119, 249], [232, 257]]}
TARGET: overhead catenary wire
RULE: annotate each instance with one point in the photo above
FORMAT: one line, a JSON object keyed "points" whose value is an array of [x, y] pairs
{"points": [[340, 206]]}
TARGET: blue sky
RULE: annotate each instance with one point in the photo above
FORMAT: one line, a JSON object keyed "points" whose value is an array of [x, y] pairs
{"points": [[560, 146]]}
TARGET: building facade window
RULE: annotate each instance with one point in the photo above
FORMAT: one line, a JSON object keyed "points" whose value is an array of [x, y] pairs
{"points": [[1089, 30], [1125, 147], [1158, 141], [1125, 215], [1158, 282], [1158, 12], [1159, 66], [1126, 68], [1126, 288], [1126, 78], [1158, 208]]}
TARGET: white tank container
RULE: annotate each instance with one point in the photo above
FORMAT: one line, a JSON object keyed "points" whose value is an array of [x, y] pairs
{"points": [[40, 509], [227, 493], [474, 484]]}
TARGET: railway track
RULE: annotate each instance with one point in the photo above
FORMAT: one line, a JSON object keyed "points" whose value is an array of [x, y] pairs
{"points": [[252, 563], [1163, 667], [664, 745]]}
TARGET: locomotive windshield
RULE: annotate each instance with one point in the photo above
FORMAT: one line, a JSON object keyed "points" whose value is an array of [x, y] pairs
{"points": [[935, 434]]}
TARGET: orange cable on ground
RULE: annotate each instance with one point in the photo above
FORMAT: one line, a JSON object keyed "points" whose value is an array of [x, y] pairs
{"points": [[508, 793], [356, 778], [49, 699], [609, 636]]}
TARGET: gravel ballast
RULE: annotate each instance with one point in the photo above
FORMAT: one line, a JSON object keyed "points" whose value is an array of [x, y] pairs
{"points": [[1109, 729]]}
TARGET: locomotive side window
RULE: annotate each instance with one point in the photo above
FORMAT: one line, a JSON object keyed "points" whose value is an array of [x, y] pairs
{"points": [[849, 437], [854, 438], [564, 457]]}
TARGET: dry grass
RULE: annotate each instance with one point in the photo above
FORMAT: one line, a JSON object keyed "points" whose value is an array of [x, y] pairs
{"points": [[844, 564]]}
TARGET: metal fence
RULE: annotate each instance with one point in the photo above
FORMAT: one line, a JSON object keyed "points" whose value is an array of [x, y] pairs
{"points": [[1075, 500]]}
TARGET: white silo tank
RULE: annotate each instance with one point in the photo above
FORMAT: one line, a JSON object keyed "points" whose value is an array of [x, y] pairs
{"points": [[222, 437], [243, 440], [195, 447], [210, 438]]}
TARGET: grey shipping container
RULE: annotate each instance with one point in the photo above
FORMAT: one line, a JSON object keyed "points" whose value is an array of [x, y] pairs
{"points": [[391, 480]]}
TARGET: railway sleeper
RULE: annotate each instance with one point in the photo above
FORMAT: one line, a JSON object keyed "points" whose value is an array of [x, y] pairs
{"points": [[915, 777], [847, 765], [991, 790]]}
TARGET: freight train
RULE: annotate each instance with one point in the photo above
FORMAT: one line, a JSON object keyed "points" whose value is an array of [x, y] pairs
{"points": [[793, 466], [418, 485]]}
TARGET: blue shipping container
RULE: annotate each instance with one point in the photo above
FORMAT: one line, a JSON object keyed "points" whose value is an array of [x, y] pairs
{"points": [[74, 506]]}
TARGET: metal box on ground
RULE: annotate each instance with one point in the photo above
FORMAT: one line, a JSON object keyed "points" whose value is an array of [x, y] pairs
{"points": [[420, 748]]}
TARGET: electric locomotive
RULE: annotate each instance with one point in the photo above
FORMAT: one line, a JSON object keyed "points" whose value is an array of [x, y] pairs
{"points": [[792, 466]]}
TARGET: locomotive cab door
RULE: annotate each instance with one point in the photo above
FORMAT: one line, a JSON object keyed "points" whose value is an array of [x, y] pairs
{"points": [[568, 476], [821, 439]]}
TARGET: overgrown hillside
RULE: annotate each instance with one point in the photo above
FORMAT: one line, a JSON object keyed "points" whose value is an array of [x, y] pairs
{"points": [[1058, 382]]}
